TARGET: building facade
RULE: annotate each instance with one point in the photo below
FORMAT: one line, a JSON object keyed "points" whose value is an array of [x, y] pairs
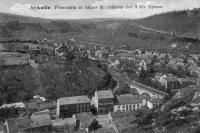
{"points": [[104, 101], [29, 124], [68, 106], [128, 102]]}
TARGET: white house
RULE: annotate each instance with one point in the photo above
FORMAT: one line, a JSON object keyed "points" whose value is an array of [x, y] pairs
{"points": [[129, 102], [142, 65]]}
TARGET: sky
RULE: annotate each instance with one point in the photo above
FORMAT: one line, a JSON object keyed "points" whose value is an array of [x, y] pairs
{"points": [[23, 7]]}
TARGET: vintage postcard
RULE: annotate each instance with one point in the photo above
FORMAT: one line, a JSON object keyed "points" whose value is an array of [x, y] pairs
{"points": [[99, 66]]}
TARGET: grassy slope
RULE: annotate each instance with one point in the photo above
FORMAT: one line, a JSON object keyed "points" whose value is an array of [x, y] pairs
{"points": [[108, 32], [179, 22]]}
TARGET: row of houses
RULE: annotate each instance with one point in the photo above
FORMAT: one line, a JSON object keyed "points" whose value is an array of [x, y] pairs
{"points": [[105, 102], [169, 81]]}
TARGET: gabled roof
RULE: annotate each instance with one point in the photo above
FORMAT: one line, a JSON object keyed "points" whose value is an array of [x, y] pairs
{"points": [[17, 124], [21, 123], [73, 100], [105, 94], [86, 118], [40, 120]]}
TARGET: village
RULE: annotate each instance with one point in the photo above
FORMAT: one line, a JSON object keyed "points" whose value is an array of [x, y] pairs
{"points": [[152, 77]]}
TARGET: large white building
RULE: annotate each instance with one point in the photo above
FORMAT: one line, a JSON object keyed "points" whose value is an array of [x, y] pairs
{"points": [[129, 102]]}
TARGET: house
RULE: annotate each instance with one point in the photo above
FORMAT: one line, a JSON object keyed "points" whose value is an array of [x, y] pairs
{"points": [[138, 52], [129, 102], [101, 54], [187, 82], [12, 110], [143, 65], [158, 75], [34, 47], [86, 121], [32, 106], [126, 56], [146, 58], [123, 120], [29, 124], [61, 49], [112, 54], [170, 82], [104, 101], [97, 47], [157, 66], [68, 106], [154, 103], [194, 70], [176, 61], [114, 61]]}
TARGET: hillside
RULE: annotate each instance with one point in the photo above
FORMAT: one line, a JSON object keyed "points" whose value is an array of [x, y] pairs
{"points": [[52, 80], [112, 32], [185, 23]]}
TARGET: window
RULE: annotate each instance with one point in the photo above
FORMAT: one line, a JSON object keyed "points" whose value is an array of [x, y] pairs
{"points": [[130, 106], [118, 107], [123, 106]]}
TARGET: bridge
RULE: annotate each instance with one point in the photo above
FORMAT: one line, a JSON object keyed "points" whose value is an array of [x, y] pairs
{"points": [[141, 88]]}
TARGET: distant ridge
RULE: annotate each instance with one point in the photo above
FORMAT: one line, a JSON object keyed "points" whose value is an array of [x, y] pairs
{"points": [[186, 23]]}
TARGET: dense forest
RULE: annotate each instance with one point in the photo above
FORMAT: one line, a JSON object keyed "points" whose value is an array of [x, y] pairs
{"points": [[79, 76]]}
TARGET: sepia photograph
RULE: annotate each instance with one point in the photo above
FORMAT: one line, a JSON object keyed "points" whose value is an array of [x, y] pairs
{"points": [[99, 66]]}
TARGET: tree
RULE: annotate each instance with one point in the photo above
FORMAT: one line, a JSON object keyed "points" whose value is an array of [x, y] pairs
{"points": [[93, 110], [143, 74]]}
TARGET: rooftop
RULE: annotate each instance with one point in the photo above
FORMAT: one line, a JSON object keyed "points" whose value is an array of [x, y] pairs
{"points": [[73, 100], [117, 115], [171, 79], [187, 79], [86, 118], [105, 94], [197, 69], [156, 100], [40, 120], [105, 129], [129, 99], [16, 124], [15, 105]]}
